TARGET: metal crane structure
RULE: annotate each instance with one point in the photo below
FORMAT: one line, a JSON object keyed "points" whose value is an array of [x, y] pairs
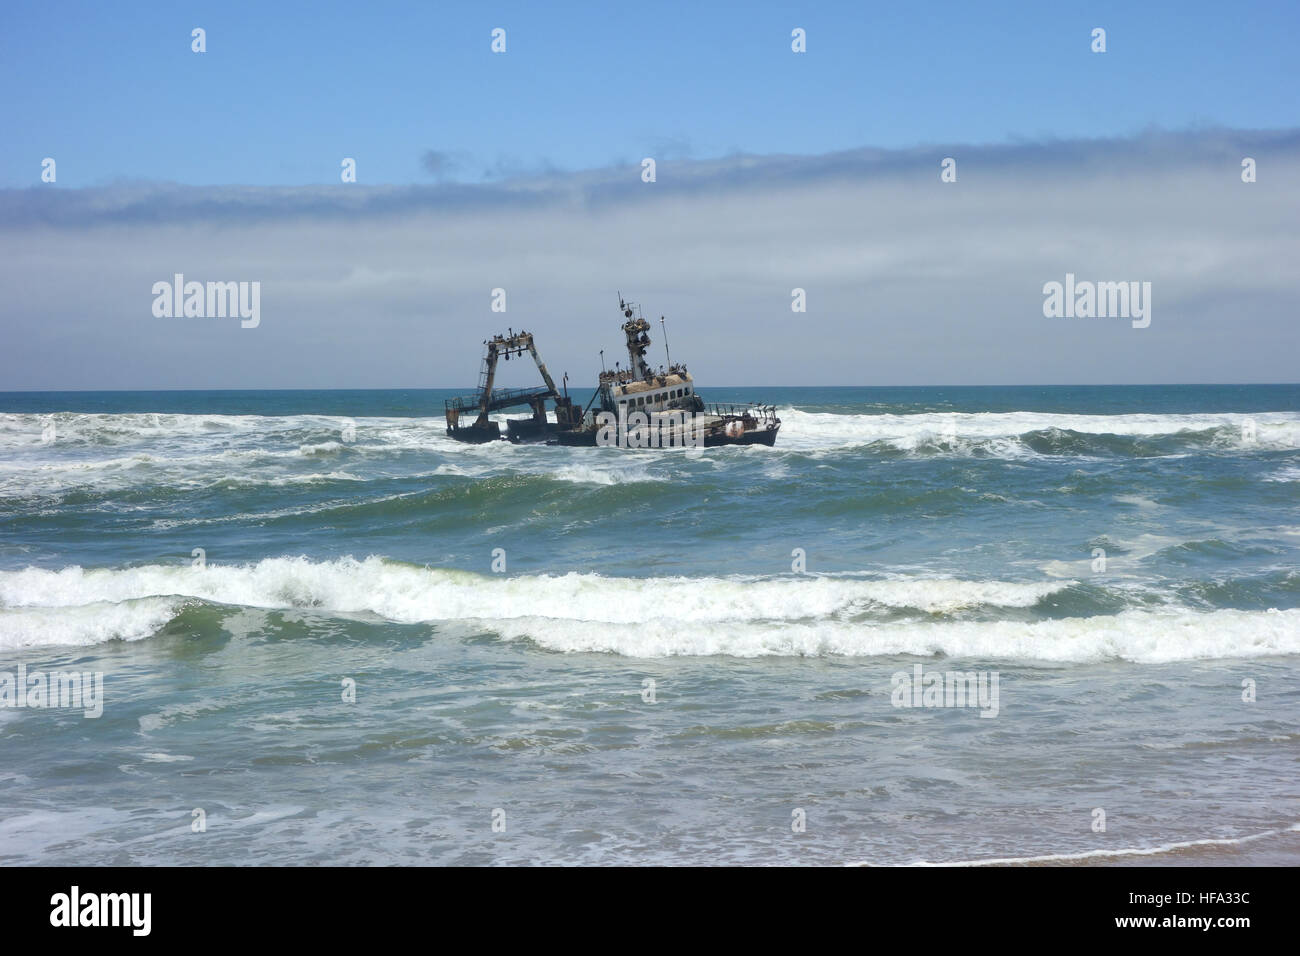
{"points": [[488, 399]]}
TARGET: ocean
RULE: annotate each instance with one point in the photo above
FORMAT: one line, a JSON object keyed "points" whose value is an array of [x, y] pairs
{"points": [[328, 634]]}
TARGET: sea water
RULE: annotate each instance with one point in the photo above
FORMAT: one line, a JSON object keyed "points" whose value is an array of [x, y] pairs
{"points": [[327, 633]]}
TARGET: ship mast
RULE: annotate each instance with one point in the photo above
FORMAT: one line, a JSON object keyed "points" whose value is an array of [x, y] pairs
{"points": [[636, 329]]}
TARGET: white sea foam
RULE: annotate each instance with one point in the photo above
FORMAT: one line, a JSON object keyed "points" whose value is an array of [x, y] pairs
{"points": [[18, 430], [1141, 636], [405, 592], [604, 473], [640, 617], [812, 429], [1086, 855], [401, 592], [108, 453], [90, 623], [997, 434]]}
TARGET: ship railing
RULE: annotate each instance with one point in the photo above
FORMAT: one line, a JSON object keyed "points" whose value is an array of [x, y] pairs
{"points": [[500, 398], [763, 413], [621, 377]]}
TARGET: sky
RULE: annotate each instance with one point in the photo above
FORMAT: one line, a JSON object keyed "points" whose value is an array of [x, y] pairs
{"points": [[522, 170]]}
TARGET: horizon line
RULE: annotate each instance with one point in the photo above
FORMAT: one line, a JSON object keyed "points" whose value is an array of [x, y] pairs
{"points": [[452, 388]]}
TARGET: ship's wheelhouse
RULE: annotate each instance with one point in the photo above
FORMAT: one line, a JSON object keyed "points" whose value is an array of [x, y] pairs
{"points": [[655, 398]]}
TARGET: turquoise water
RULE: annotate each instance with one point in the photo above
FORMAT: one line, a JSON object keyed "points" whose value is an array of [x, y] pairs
{"points": [[1122, 558]]}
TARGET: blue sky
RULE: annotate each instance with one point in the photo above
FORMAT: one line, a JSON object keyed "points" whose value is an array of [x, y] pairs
{"points": [[285, 91]]}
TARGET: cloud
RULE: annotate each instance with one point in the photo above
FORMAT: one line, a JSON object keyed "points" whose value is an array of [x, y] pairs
{"points": [[441, 165], [908, 280]]}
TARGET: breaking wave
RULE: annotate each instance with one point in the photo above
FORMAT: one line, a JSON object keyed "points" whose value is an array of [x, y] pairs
{"points": [[643, 617], [1030, 434]]}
